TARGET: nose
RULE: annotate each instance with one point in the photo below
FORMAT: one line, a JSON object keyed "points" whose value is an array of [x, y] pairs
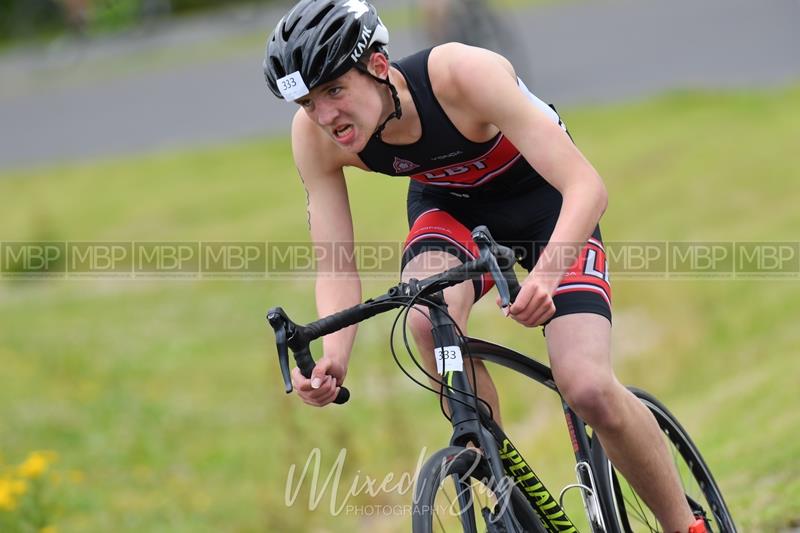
{"points": [[326, 114]]}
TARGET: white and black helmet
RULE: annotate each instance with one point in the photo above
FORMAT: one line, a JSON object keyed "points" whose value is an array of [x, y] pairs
{"points": [[318, 41]]}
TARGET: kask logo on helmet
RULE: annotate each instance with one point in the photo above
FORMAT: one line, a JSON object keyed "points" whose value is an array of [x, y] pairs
{"points": [[359, 7], [362, 43]]}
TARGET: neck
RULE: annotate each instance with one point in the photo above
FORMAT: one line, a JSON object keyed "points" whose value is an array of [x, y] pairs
{"points": [[408, 128]]}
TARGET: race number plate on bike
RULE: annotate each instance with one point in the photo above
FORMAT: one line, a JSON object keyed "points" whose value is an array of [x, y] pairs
{"points": [[449, 359]]}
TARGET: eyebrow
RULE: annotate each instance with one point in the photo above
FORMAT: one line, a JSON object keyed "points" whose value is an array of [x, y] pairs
{"points": [[322, 88], [327, 85]]}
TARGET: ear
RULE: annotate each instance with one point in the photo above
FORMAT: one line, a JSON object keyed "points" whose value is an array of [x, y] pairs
{"points": [[378, 65]]}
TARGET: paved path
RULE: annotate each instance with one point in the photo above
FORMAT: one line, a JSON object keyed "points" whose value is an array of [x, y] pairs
{"points": [[205, 85]]}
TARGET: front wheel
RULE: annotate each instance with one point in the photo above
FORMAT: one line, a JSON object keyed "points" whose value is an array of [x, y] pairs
{"points": [[625, 512], [456, 491]]}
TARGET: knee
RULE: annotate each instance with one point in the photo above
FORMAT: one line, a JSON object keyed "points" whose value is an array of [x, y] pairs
{"points": [[419, 324], [597, 400]]}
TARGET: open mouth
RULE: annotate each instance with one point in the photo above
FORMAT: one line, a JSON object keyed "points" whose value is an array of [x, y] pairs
{"points": [[342, 131]]}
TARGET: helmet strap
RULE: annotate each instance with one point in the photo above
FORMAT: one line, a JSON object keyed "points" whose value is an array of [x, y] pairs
{"points": [[398, 111]]}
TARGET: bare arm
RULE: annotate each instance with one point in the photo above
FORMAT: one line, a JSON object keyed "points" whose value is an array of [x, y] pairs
{"points": [[338, 285], [484, 82]]}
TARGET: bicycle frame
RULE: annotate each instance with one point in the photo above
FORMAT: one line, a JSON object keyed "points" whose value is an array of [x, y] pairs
{"points": [[470, 419], [502, 356], [502, 455]]}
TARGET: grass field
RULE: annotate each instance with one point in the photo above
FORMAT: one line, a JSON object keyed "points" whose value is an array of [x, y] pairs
{"points": [[163, 400]]}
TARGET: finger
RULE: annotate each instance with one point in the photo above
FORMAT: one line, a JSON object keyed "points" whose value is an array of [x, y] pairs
{"points": [[504, 310], [319, 372], [542, 314], [527, 300], [324, 390], [330, 398], [299, 382], [536, 312], [519, 304], [323, 396], [527, 311]]}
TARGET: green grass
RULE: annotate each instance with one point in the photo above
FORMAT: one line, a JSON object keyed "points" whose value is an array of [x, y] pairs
{"points": [[166, 396]]}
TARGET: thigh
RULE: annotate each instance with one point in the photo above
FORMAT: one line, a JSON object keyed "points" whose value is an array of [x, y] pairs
{"points": [[434, 228], [579, 346], [459, 298]]}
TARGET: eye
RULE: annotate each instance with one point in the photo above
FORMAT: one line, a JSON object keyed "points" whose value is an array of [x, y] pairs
{"points": [[333, 91], [304, 103]]}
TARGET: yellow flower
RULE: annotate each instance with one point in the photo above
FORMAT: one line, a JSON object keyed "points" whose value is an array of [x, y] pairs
{"points": [[48, 529], [36, 464], [8, 501]]}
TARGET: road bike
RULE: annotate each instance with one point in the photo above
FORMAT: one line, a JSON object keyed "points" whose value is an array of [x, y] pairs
{"points": [[481, 482]]}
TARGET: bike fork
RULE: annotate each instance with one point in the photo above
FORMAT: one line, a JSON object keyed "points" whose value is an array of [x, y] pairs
{"points": [[583, 471]]}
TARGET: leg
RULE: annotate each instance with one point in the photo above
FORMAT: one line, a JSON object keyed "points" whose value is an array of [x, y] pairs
{"points": [[579, 346], [460, 299]]}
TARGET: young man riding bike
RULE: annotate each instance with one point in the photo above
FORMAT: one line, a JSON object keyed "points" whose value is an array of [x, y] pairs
{"points": [[480, 148]]}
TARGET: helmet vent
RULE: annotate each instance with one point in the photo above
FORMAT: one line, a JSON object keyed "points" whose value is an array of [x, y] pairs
{"points": [[331, 31], [277, 68], [317, 64], [319, 16], [286, 31], [297, 57]]}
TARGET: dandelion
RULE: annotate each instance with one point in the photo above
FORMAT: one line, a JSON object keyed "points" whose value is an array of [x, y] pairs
{"points": [[36, 464], [25, 494], [8, 494]]}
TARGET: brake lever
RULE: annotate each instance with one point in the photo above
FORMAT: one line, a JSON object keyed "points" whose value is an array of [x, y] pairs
{"points": [[489, 252], [280, 324]]}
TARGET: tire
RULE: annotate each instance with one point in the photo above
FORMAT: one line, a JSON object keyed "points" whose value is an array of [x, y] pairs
{"points": [[625, 512], [436, 507]]}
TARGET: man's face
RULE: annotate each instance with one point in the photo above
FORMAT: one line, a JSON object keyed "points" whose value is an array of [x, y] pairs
{"points": [[347, 108]]}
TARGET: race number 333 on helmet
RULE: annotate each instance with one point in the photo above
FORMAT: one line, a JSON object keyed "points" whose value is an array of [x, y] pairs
{"points": [[318, 41]]}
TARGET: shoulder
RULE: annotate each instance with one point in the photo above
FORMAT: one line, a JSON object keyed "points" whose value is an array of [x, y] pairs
{"points": [[455, 69], [478, 84]]}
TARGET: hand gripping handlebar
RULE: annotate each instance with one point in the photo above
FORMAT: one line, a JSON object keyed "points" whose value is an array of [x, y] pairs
{"points": [[495, 259]]}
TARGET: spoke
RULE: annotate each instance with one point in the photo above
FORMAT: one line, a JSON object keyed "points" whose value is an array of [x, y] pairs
{"points": [[677, 460], [439, 520], [447, 497], [633, 515], [637, 507]]}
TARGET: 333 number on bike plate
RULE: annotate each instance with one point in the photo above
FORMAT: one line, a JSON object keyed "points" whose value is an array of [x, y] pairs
{"points": [[448, 358]]}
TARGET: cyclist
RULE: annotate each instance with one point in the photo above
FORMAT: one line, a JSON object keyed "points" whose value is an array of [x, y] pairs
{"points": [[479, 148]]}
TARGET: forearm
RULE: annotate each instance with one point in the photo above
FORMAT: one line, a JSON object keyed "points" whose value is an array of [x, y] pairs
{"points": [[581, 209], [335, 294]]}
